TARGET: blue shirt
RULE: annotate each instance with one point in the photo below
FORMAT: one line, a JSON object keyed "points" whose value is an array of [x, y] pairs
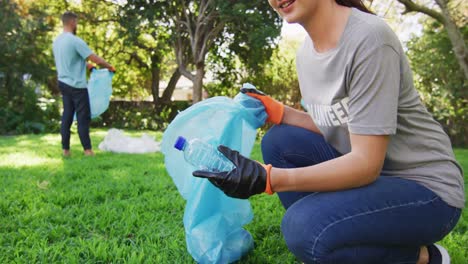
{"points": [[70, 53]]}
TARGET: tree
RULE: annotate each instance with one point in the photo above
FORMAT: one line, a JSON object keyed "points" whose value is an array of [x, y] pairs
{"points": [[147, 44], [446, 17], [199, 25], [279, 77], [439, 59], [141, 38], [440, 81], [132, 37], [24, 37], [23, 65]]}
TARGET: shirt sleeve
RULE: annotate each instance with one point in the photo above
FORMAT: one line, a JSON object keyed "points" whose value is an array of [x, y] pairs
{"points": [[82, 48], [373, 92]]}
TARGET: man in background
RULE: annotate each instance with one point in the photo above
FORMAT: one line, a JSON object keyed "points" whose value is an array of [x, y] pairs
{"points": [[71, 54]]}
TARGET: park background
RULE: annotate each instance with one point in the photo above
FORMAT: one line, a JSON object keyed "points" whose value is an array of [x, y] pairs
{"points": [[169, 55]]}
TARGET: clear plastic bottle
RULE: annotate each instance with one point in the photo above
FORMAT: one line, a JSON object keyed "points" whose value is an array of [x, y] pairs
{"points": [[203, 155]]}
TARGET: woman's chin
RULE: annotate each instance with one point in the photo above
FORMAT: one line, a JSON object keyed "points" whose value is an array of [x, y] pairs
{"points": [[291, 19]]}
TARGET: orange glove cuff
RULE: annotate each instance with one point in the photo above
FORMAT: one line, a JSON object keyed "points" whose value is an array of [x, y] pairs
{"points": [[268, 188], [274, 109]]}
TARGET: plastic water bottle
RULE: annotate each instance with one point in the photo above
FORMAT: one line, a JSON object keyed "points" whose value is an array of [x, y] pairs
{"points": [[203, 155]]}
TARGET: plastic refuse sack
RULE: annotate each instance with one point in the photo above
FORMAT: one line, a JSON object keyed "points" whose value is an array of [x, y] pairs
{"points": [[99, 91], [213, 221], [117, 141]]}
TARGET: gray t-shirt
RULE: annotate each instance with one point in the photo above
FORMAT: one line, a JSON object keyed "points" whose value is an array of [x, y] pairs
{"points": [[365, 86]]}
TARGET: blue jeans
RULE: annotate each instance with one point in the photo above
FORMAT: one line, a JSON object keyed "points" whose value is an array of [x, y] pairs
{"points": [[384, 222], [75, 100]]}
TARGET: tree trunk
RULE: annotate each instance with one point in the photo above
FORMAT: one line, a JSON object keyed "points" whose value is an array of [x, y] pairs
{"points": [[198, 83], [454, 33], [456, 38], [155, 85], [167, 94]]}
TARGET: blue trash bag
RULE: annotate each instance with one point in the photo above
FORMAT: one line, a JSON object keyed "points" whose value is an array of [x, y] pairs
{"points": [[99, 91], [213, 221]]}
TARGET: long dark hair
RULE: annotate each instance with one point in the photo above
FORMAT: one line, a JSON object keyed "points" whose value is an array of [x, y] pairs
{"points": [[354, 3]]}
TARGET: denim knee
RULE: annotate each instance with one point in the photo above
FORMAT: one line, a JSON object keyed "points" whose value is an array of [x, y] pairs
{"points": [[298, 241], [271, 149], [286, 146]]}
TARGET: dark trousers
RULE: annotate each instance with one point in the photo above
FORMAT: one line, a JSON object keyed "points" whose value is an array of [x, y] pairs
{"points": [[75, 101], [384, 222]]}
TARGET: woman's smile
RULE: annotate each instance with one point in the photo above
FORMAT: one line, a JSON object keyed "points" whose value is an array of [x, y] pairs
{"points": [[286, 6]]}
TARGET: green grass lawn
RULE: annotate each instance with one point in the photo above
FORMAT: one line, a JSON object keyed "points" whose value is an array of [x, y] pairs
{"points": [[115, 208]]}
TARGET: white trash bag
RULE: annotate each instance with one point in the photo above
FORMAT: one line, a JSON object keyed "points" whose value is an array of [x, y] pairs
{"points": [[116, 141]]}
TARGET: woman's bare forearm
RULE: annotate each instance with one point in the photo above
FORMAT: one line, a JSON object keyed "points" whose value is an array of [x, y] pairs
{"points": [[298, 118]]}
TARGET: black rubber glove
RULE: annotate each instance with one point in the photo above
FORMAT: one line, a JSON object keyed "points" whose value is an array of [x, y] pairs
{"points": [[246, 179]]}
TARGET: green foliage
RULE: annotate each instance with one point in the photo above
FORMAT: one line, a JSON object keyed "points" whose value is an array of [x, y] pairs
{"points": [[277, 78], [218, 89], [26, 113], [138, 37], [440, 80], [24, 38], [120, 208], [99, 27], [138, 115], [457, 240], [23, 67], [145, 48], [251, 33], [250, 38], [50, 112]]}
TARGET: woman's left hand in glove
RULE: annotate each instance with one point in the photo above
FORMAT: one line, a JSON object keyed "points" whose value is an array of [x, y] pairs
{"points": [[248, 177]]}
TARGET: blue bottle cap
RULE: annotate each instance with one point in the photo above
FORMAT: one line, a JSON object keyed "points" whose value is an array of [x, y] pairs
{"points": [[180, 142]]}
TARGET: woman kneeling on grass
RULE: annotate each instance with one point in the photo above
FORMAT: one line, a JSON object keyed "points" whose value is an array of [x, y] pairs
{"points": [[367, 175]]}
